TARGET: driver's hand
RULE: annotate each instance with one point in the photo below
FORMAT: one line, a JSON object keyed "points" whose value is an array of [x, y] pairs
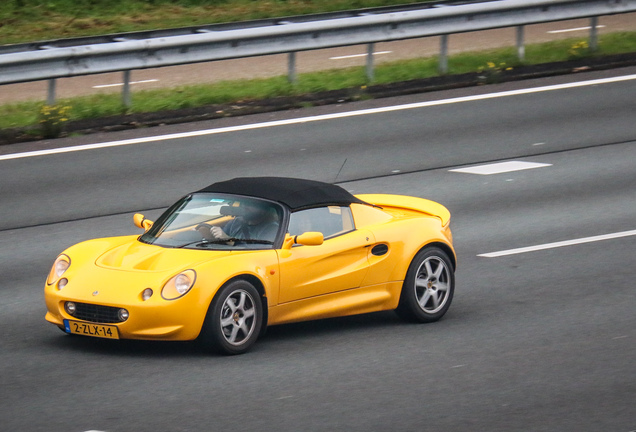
{"points": [[217, 233]]}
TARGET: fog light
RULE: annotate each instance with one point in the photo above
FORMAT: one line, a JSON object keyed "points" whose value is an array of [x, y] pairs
{"points": [[123, 314], [62, 283], [70, 308], [146, 294]]}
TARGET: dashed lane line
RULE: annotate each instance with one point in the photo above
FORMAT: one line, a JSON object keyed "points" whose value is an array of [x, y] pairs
{"points": [[558, 244], [500, 167]]}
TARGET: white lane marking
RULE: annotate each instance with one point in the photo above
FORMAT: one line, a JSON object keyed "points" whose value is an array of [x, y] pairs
{"points": [[318, 117], [121, 84], [574, 29], [559, 244], [358, 55], [500, 167]]}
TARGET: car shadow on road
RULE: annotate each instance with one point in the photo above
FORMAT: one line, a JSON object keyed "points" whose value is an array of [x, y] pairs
{"points": [[125, 348], [342, 327]]}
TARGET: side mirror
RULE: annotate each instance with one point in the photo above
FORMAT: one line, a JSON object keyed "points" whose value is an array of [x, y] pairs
{"points": [[306, 239], [141, 221]]}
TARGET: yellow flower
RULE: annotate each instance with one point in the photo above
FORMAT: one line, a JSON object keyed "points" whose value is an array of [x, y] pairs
{"points": [[52, 117]]}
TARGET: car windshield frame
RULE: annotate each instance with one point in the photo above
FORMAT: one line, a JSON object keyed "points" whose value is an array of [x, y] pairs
{"points": [[177, 226]]}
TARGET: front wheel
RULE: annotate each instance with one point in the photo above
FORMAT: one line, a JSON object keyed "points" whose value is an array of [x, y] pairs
{"points": [[428, 287], [234, 319]]}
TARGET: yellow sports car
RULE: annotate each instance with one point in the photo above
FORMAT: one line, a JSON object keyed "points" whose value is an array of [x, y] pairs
{"points": [[223, 263]]}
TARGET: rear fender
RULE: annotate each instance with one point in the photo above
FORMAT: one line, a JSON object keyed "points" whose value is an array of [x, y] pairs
{"points": [[407, 203]]}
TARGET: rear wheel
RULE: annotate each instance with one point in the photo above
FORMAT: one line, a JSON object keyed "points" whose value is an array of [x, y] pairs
{"points": [[428, 289], [234, 319]]}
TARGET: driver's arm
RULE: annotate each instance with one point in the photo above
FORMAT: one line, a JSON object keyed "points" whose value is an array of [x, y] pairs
{"points": [[213, 232]]}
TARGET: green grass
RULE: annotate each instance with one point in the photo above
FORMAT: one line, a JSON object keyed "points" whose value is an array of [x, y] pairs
{"points": [[26, 114], [33, 20]]}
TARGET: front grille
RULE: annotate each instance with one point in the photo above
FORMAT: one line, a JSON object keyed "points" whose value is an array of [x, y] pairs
{"points": [[97, 313]]}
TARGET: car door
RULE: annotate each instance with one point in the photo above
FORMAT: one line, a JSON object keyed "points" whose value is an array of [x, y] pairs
{"points": [[340, 263]]}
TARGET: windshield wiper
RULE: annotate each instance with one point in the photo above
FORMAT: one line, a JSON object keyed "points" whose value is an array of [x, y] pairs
{"points": [[192, 243], [203, 243], [234, 239]]}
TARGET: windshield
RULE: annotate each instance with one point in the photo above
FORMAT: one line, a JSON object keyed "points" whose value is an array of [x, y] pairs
{"points": [[215, 221]]}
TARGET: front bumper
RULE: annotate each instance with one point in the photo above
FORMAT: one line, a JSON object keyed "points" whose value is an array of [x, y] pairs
{"points": [[152, 319]]}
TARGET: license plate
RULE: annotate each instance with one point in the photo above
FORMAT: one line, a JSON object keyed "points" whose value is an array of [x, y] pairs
{"points": [[89, 329]]}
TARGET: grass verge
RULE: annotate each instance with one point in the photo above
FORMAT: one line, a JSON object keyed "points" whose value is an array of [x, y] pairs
{"points": [[490, 63], [31, 20]]}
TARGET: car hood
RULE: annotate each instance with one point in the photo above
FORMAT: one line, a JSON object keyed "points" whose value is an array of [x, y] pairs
{"points": [[137, 256]]}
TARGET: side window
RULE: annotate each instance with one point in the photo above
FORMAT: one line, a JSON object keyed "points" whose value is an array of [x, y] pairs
{"points": [[330, 221]]}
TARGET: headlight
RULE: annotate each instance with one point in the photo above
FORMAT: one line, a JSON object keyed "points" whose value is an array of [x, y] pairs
{"points": [[179, 285], [61, 264]]}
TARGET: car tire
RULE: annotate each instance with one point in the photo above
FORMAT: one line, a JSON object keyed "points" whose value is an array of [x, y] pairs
{"points": [[234, 319], [428, 288]]}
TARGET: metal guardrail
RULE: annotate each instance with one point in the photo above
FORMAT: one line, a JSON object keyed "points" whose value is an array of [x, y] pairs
{"points": [[291, 37], [238, 25]]}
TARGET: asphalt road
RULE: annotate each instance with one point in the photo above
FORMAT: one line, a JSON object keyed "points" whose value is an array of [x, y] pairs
{"points": [[310, 61], [537, 341]]}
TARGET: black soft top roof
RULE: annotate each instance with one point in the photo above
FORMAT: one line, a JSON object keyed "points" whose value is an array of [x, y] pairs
{"points": [[294, 193]]}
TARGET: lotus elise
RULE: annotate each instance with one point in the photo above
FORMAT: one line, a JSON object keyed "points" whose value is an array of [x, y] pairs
{"points": [[225, 262]]}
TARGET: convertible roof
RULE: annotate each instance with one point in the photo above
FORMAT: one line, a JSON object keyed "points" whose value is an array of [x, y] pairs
{"points": [[295, 193]]}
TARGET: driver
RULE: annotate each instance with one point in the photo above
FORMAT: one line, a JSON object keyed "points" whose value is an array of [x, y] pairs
{"points": [[255, 223]]}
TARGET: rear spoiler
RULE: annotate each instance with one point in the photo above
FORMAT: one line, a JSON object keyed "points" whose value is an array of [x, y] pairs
{"points": [[397, 202]]}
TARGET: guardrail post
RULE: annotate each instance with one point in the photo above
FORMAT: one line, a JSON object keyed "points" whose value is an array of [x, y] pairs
{"points": [[50, 93], [370, 50], [125, 93], [291, 68], [29, 62], [521, 48], [593, 33], [443, 54]]}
